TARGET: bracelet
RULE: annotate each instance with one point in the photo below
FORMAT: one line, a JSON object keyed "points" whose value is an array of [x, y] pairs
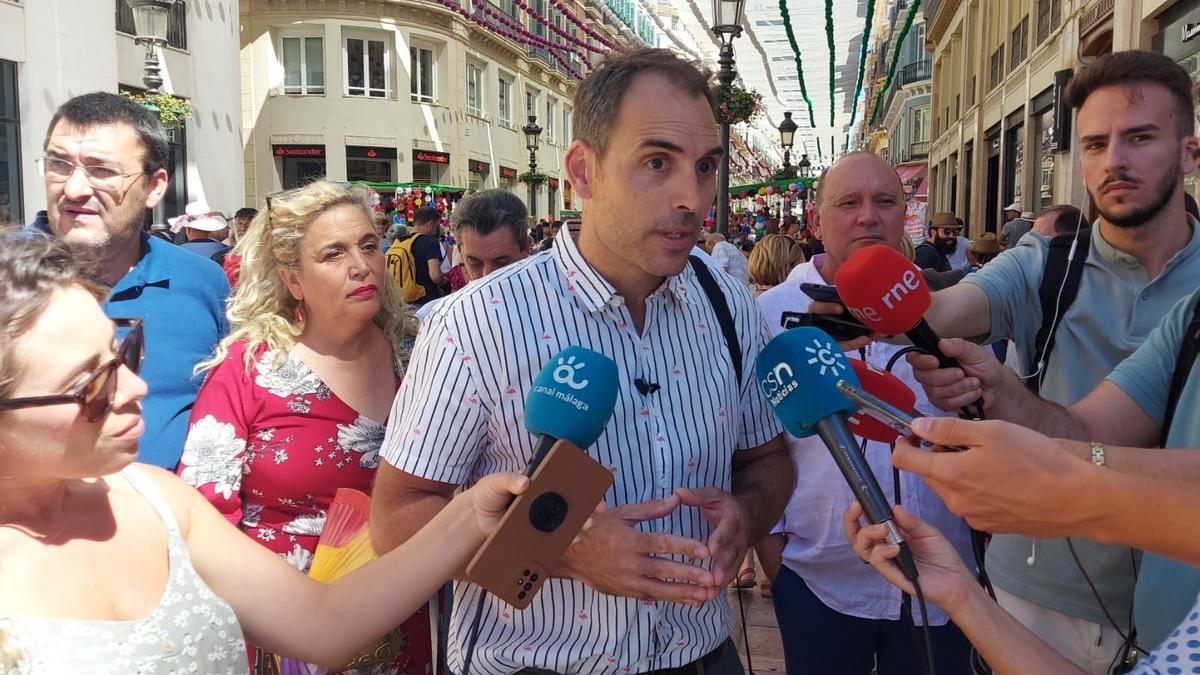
{"points": [[1098, 455]]}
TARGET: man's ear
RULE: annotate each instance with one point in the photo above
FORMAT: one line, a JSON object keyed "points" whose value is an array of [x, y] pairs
{"points": [[1190, 154], [579, 162], [157, 184], [815, 226]]}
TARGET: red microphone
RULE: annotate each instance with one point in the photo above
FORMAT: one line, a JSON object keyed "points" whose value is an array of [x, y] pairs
{"points": [[887, 387], [885, 291]]}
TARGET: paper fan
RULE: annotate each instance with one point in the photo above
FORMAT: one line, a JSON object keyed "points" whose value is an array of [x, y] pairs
{"points": [[345, 543]]}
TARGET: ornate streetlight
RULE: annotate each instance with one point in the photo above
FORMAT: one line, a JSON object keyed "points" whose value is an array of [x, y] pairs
{"points": [[787, 136], [150, 22], [727, 24], [532, 134]]}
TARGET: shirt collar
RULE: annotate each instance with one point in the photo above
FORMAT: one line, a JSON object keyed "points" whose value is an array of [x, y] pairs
{"points": [[151, 268], [1106, 251], [592, 289]]}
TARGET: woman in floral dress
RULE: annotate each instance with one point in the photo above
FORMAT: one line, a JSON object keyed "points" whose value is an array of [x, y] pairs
{"points": [[296, 399]]}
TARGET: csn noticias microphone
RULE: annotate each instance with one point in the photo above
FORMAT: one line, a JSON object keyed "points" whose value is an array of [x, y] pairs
{"points": [[886, 292], [888, 388], [798, 372], [571, 399]]}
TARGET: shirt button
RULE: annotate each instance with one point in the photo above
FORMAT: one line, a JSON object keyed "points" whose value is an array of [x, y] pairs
{"points": [[1146, 296], [616, 301], [168, 646]]}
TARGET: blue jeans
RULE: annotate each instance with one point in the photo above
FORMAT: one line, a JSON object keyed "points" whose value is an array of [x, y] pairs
{"points": [[816, 639]]}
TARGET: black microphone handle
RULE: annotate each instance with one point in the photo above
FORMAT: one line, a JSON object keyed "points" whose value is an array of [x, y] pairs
{"points": [[922, 336], [835, 432], [544, 443]]}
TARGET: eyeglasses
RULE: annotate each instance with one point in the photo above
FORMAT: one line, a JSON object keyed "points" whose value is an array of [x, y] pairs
{"points": [[99, 176], [947, 231], [95, 395]]}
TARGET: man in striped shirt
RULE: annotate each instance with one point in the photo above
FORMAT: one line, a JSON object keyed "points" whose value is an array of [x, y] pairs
{"points": [[700, 465]]}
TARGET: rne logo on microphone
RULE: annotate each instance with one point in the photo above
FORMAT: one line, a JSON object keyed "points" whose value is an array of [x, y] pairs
{"points": [[565, 373], [896, 294]]}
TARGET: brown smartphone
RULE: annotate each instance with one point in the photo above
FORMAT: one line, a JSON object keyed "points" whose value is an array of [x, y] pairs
{"points": [[540, 524]]}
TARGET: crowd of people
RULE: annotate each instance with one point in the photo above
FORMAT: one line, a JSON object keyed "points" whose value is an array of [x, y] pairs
{"points": [[209, 398]]}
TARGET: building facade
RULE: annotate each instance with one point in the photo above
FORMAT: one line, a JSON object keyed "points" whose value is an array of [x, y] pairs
{"points": [[1001, 131], [418, 91], [51, 50]]}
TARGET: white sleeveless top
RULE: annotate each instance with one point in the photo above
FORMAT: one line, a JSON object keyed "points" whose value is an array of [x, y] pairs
{"points": [[190, 631]]}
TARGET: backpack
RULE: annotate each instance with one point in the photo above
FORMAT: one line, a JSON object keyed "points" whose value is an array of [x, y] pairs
{"points": [[1059, 287], [402, 269]]}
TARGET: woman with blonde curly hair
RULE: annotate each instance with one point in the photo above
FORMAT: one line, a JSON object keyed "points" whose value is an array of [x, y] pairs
{"points": [[773, 257], [298, 395]]}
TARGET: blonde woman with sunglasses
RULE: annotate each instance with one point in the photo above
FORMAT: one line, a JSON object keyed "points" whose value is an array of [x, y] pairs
{"points": [[111, 566]]}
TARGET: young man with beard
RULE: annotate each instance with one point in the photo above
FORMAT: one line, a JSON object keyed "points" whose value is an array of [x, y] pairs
{"points": [[934, 253], [1135, 127]]}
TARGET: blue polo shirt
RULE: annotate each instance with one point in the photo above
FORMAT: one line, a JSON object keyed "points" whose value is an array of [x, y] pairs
{"points": [[180, 298], [1166, 589]]}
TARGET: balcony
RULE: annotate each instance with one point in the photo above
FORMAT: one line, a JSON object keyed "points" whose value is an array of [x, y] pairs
{"points": [[1094, 16], [918, 150], [914, 72]]}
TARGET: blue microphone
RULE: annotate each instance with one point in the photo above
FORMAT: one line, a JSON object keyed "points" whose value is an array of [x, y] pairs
{"points": [[798, 372], [572, 399]]}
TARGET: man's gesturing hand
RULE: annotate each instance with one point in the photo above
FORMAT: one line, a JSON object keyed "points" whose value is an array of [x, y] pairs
{"points": [[730, 536], [613, 557]]}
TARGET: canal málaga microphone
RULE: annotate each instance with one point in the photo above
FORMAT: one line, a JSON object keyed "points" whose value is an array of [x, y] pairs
{"points": [[798, 372], [572, 399], [885, 291]]}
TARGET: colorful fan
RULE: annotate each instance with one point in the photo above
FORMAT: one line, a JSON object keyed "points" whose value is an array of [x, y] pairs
{"points": [[344, 546]]}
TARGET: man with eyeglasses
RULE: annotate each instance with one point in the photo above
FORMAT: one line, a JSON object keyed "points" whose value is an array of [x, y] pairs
{"points": [[934, 253], [104, 165]]}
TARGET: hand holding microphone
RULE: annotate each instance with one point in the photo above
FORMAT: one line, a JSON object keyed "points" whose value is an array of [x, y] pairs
{"points": [[885, 291], [572, 398], [798, 372]]}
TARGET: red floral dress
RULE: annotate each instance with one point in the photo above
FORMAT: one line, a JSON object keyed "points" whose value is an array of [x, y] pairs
{"points": [[270, 448]]}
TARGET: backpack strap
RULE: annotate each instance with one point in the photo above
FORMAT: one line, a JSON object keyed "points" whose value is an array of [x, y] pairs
{"points": [[1188, 349], [716, 297], [1060, 286]]}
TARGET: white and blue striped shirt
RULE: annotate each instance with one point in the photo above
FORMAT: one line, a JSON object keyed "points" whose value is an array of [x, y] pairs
{"points": [[458, 416]]}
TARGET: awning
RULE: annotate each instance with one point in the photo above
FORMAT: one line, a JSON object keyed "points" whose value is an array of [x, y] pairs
{"points": [[911, 171], [922, 191]]}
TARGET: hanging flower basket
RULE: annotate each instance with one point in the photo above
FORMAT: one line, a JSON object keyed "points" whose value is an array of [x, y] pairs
{"points": [[173, 112], [533, 178], [735, 104]]}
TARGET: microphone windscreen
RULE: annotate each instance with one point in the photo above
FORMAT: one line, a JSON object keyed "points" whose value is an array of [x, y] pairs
{"points": [[883, 385], [798, 372], [572, 398], [882, 289]]}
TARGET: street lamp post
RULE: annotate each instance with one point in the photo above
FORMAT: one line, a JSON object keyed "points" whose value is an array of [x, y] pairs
{"points": [[727, 24], [532, 132], [805, 167], [150, 24], [787, 136]]}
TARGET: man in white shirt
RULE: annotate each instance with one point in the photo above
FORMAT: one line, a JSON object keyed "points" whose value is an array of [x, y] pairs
{"points": [[835, 614], [700, 466]]}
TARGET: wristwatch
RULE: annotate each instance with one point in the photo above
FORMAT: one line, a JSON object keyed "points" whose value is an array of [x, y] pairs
{"points": [[1098, 455]]}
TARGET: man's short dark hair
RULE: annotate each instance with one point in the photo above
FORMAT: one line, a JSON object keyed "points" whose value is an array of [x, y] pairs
{"points": [[1066, 218], [1135, 66], [102, 108], [426, 214], [598, 99], [489, 210], [246, 212]]}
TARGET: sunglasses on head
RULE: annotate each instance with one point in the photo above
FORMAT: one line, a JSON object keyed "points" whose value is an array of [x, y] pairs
{"points": [[95, 395]]}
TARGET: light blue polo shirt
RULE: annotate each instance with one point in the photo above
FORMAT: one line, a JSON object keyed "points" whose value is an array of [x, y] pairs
{"points": [[1166, 589], [1114, 313]]}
